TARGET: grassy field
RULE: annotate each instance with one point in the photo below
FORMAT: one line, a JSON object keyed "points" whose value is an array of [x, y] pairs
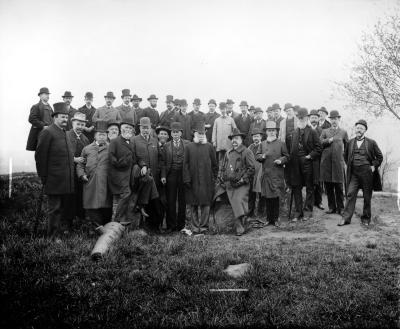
{"points": [[310, 274]]}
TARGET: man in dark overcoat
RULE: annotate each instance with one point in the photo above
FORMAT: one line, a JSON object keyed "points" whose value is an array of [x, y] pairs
{"points": [[305, 149], [67, 99], [211, 115], [136, 100], [151, 113], [334, 142], [125, 109], [184, 118], [88, 109], [243, 122], [323, 123], [167, 116], [258, 121], [363, 158], [40, 118], [197, 117], [55, 167]]}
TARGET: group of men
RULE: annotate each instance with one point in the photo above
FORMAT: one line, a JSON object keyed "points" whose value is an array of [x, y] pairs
{"points": [[127, 162]]}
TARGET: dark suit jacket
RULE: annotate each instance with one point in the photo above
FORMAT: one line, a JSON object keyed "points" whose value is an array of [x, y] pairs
{"points": [[89, 117], [55, 161], [73, 140], [375, 159], [39, 117], [167, 156], [244, 126]]}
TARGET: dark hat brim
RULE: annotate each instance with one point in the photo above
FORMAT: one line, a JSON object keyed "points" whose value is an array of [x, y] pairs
{"points": [[323, 110], [242, 135], [136, 99], [109, 96], [127, 123], [44, 92], [150, 98], [258, 133], [76, 119], [362, 123], [334, 116], [158, 129], [101, 131]]}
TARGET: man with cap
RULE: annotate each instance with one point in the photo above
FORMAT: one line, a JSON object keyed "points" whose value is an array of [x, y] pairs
{"points": [[78, 141], [200, 169], [235, 176], [305, 149], [211, 115], [138, 111], [40, 117], [67, 99], [273, 155], [243, 122], [185, 120], [107, 112], [88, 110], [151, 112], [276, 109], [112, 129], [334, 142], [323, 123], [288, 125], [258, 121], [363, 158], [55, 167], [125, 109], [93, 172], [229, 109], [172, 176], [223, 127], [168, 115], [313, 119], [196, 116]]}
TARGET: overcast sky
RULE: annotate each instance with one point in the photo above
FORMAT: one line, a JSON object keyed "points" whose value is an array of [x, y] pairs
{"points": [[259, 51]]}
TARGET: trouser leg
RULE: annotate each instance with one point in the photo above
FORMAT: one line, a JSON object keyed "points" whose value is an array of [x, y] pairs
{"points": [[317, 194], [195, 218], [339, 196], [351, 198], [181, 219], [172, 190], [262, 205], [204, 218], [252, 202], [54, 214], [269, 209], [80, 211], [330, 195], [308, 177], [367, 182], [275, 206], [298, 201]]}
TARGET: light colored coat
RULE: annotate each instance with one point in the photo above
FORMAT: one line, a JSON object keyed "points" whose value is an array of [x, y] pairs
{"points": [[223, 127], [106, 114], [282, 130]]}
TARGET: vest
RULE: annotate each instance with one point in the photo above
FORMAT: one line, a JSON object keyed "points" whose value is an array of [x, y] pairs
{"points": [[360, 157], [177, 156]]}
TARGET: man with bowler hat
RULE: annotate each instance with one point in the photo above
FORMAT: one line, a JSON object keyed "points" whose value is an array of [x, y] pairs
{"points": [[211, 115], [67, 99], [151, 112], [243, 122], [197, 117], [136, 100], [168, 115], [258, 121], [125, 109], [107, 112], [185, 120], [323, 123], [40, 117], [288, 125], [88, 109]]}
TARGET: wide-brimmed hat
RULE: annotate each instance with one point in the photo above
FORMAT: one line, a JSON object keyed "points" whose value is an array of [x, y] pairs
{"points": [[256, 131], [164, 128], [176, 126], [136, 98], [59, 108], [323, 109], [229, 102], [258, 110], [302, 113], [89, 94], [362, 122], [196, 101], [109, 94], [152, 96], [128, 121], [271, 125], [112, 123], [101, 126], [126, 92], [43, 90], [275, 106], [67, 94], [212, 101], [145, 122], [79, 116], [334, 114], [243, 103], [199, 127], [287, 106], [314, 112], [236, 132], [169, 99]]}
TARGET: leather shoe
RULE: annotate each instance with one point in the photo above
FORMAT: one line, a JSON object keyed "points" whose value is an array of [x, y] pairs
{"points": [[330, 211], [340, 211], [342, 222], [320, 206]]}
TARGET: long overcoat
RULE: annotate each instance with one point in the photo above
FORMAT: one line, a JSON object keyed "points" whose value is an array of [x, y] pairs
{"points": [[89, 117], [210, 119], [332, 157], [256, 184], [186, 123], [55, 161], [152, 114], [40, 116], [96, 193], [243, 124], [200, 168], [272, 177]]}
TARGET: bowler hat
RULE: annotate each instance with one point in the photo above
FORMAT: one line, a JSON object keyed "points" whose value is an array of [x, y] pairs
{"points": [[184, 102], [176, 126], [164, 128], [236, 132], [243, 103], [199, 127], [112, 123], [169, 99], [212, 101], [252, 108], [359, 122], [136, 98], [287, 106], [275, 106], [271, 125], [177, 102], [101, 126], [128, 121], [145, 122], [126, 92], [256, 131], [269, 109], [60, 108], [258, 110], [302, 113], [43, 90], [229, 102], [313, 112], [222, 105], [89, 95], [79, 116], [334, 114], [67, 94], [109, 94], [296, 108], [196, 101], [152, 96], [323, 109]]}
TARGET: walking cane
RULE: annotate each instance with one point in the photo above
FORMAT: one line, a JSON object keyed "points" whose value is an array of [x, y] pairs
{"points": [[38, 210]]}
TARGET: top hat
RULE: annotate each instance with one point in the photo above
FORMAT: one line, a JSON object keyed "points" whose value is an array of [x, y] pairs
{"points": [[323, 109], [212, 101], [200, 128], [222, 105], [101, 126], [43, 90], [145, 122], [176, 126], [229, 102], [136, 98], [236, 132], [362, 122], [258, 110], [256, 131], [313, 112], [152, 96], [79, 116], [67, 94], [275, 106], [184, 102], [109, 94], [128, 121], [164, 128], [196, 101], [334, 114], [287, 106], [302, 113], [243, 103], [112, 123], [60, 108], [177, 102], [126, 92], [169, 99], [270, 124], [89, 95]]}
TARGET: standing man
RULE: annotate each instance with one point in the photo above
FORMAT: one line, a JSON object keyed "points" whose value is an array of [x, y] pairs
{"points": [[276, 109], [363, 158], [107, 112], [210, 119], [168, 115], [126, 112], [288, 125], [305, 148], [40, 117], [78, 141], [185, 120], [251, 112], [138, 111], [88, 110], [151, 112], [55, 167], [258, 121], [229, 109], [200, 168], [223, 128], [196, 116], [334, 142], [243, 122], [323, 123], [270, 114], [67, 99], [172, 176]]}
